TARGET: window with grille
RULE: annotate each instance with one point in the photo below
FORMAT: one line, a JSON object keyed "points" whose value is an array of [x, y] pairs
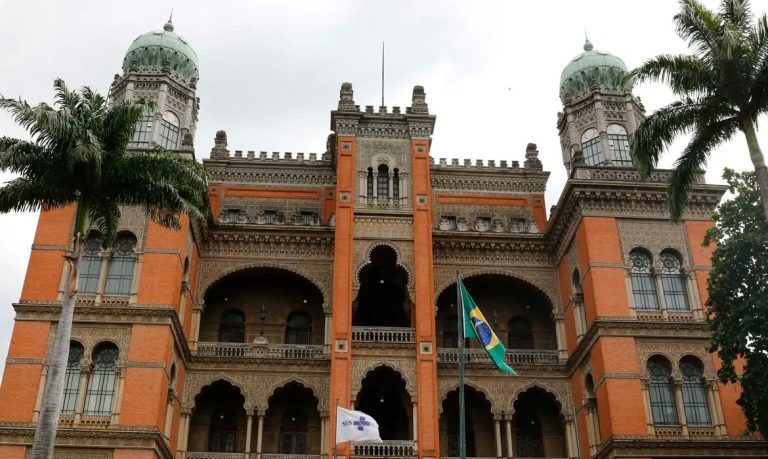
{"points": [[618, 142], [519, 334], [120, 267], [90, 266], [142, 131], [169, 131], [694, 393], [673, 283], [222, 432], [643, 283], [100, 395], [382, 182], [396, 184], [72, 378], [592, 148], [369, 183], [298, 329], [661, 392], [232, 327]]}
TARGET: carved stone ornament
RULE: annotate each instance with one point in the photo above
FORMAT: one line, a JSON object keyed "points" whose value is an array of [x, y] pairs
{"points": [[406, 367], [674, 351]]}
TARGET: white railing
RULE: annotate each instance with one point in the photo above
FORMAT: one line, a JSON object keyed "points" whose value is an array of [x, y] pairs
{"points": [[388, 448], [279, 351], [203, 455], [383, 334], [514, 357]]}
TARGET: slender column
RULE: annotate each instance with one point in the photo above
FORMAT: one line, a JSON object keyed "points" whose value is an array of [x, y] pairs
{"points": [[248, 429], [693, 295], [415, 411], [327, 329], [562, 350], [118, 396], [259, 434], [592, 417], [81, 390], [40, 388], [679, 405], [630, 296], [591, 434], [510, 451], [195, 332], [183, 300], [719, 408], [169, 414], [136, 278], [713, 411], [391, 195], [660, 292], [497, 431], [647, 408], [569, 438], [323, 434], [182, 439], [102, 282]]}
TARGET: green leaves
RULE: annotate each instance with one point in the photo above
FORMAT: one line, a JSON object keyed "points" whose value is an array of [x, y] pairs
{"points": [[738, 296], [78, 155]]}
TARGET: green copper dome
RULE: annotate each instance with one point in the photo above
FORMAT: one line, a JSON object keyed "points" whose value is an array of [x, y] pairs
{"points": [[591, 67], [155, 50]]}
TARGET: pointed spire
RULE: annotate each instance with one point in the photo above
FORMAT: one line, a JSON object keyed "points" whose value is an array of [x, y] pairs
{"points": [[168, 27], [587, 44]]}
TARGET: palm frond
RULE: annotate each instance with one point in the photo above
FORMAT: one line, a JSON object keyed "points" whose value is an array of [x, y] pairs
{"points": [[104, 216], [23, 194], [698, 26], [689, 166], [686, 75], [738, 13], [22, 157], [758, 103]]}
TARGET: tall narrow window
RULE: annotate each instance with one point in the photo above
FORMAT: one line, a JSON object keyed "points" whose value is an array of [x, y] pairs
{"points": [[72, 378], [232, 327], [519, 334], [694, 392], [661, 392], [169, 131], [102, 382], [293, 433], [451, 331], [592, 148], [120, 268], [90, 266], [643, 284], [369, 183], [382, 182], [396, 184], [673, 283], [618, 142], [298, 329], [222, 432], [142, 131]]}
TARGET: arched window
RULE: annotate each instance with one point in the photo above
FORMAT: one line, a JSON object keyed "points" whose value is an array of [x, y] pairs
{"points": [[101, 384], [519, 334], [382, 182], [298, 329], [694, 392], [142, 131], [643, 284], [369, 183], [293, 433], [673, 282], [90, 266], [589, 386], [169, 131], [576, 281], [451, 331], [661, 392], [592, 148], [618, 142], [222, 433], [120, 268], [72, 378], [232, 327], [396, 184]]}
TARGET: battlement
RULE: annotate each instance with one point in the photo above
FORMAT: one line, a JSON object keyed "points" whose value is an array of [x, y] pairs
{"points": [[220, 151], [532, 162]]}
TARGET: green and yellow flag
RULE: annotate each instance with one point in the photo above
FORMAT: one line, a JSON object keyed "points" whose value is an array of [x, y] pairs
{"points": [[475, 326]]}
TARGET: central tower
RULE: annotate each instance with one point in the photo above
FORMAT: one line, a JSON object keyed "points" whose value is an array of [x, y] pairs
{"points": [[382, 274]]}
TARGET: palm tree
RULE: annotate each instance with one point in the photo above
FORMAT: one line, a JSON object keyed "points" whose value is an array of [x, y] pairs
{"points": [[722, 88], [78, 157]]}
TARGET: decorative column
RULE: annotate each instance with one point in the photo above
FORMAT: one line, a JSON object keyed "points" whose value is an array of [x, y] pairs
{"points": [[579, 317], [195, 332], [714, 419], [118, 395], [248, 431], [569, 437], [40, 388], [327, 328], [415, 411], [136, 278], [183, 437], [510, 451], [679, 406], [694, 301], [562, 350], [719, 408], [323, 434], [497, 431], [102, 282], [169, 414], [259, 433], [660, 291], [647, 408], [630, 296]]}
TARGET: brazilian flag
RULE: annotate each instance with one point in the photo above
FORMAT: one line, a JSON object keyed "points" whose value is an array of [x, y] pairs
{"points": [[475, 326]]}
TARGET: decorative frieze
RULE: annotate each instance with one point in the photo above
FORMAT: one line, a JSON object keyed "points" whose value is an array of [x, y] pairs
{"points": [[242, 173], [674, 350], [655, 236]]}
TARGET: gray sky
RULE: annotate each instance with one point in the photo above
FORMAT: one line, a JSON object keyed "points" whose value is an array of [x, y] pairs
{"points": [[270, 72]]}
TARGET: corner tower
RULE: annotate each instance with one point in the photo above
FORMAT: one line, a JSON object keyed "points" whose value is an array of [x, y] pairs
{"points": [[599, 112], [161, 67]]}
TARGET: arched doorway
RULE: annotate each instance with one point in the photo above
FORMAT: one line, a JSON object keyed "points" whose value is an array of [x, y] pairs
{"points": [[262, 301], [218, 422], [292, 423], [383, 396], [382, 300], [479, 424], [538, 425]]}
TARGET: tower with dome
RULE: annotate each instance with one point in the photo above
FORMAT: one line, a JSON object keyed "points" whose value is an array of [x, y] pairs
{"points": [[330, 278]]}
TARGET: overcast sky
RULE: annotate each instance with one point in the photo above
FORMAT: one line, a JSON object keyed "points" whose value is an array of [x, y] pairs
{"points": [[270, 72]]}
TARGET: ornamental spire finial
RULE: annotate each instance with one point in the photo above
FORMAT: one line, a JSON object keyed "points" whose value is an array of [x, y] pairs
{"points": [[587, 44], [168, 27]]}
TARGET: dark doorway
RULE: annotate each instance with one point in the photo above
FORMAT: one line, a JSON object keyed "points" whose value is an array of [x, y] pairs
{"points": [[384, 397], [382, 300]]}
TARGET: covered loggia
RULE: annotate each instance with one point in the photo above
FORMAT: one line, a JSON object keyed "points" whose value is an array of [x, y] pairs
{"points": [[479, 424], [383, 395], [382, 300]]}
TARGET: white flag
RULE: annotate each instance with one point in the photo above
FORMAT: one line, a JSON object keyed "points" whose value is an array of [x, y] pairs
{"points": [[355, 426]]}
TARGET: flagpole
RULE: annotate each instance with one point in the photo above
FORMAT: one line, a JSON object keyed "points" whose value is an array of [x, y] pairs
{"points": [[460, 319], [335, 430]]}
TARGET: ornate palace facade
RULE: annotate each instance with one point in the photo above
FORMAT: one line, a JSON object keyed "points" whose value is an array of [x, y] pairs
{"points": [[331, 276]]}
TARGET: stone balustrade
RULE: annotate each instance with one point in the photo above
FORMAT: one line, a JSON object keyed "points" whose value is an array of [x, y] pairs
{"points": [[514, 357], [258, 350], [288, 456], [206, 455], [388, 448], [402, 335]]}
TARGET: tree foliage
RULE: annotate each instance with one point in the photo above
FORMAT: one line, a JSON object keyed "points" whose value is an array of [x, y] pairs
{"points": [[722, 89], [738, 296]]}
